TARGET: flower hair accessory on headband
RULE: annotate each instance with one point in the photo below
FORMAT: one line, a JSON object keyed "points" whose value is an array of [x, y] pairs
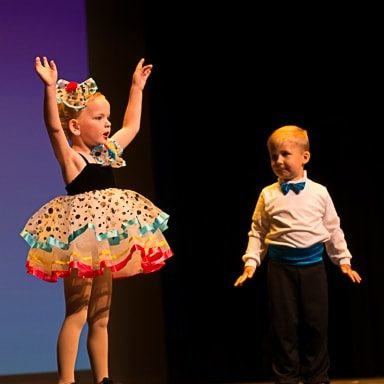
{"points": [[75, 95]]}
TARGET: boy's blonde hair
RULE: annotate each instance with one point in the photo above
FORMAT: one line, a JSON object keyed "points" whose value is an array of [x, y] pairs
{"points": [[290, 133]]}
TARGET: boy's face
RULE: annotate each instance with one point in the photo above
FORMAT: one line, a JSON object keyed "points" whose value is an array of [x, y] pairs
{"points": [[288, 160]]}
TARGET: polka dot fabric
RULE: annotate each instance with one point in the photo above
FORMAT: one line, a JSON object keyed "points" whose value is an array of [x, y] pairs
{"points": [[110, 228]]}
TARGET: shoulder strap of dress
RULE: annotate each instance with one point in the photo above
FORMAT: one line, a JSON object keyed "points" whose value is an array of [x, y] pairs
{"points": [[85, 159]]}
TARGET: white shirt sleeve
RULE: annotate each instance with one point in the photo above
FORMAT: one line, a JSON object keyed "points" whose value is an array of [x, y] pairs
{"points": [[336, 246], [297, 221], [256, 248]]}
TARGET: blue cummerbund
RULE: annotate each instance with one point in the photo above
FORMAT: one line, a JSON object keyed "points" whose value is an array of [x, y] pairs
{"points": [[296, 256]]}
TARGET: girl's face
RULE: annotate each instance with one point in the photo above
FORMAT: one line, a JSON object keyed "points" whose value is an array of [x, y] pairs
{"points": [[288, 160], [93, 122]]}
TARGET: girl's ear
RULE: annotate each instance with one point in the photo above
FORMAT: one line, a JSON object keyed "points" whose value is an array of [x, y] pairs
{"points": [[74, 127], [306, 157]]}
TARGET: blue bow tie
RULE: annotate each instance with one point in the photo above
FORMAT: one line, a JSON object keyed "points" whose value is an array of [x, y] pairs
{"points": [[295, 187]]}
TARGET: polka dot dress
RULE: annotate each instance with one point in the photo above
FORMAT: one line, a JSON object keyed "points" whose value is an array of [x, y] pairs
{"points": [[108, 228]]}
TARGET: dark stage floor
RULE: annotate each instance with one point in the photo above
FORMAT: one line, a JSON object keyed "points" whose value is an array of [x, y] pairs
{"points": [[85, 378]]}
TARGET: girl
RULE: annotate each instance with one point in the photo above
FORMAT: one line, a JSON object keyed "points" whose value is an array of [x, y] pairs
{"points": [[97, 232]]}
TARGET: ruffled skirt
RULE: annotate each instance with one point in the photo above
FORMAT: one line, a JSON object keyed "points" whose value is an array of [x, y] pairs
{"points": [[111, 228]]}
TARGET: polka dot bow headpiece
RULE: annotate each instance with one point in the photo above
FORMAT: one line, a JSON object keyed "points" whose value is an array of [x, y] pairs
{"points": [[75, 95]]}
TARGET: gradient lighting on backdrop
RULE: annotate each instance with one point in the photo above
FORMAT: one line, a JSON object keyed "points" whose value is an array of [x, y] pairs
{"points": [[31, 311]]}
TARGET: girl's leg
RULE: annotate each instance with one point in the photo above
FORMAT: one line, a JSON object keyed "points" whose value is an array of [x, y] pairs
{"points": [[98, 316], [77, 294]]}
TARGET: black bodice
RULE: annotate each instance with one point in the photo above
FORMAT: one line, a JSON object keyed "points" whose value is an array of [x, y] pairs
{"points": [[92, 177]]}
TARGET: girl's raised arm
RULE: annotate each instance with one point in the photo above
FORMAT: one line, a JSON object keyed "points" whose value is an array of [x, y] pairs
{"points": [[47, 71], [132, 116]]}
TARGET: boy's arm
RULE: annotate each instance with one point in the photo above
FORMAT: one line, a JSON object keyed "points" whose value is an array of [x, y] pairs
{"points": [[256, 248]]}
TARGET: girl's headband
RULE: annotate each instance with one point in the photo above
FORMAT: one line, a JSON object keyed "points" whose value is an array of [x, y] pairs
{"points": [[75, 95]]}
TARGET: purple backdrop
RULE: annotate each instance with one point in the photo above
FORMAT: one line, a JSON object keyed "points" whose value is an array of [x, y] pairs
{"points": [[31, 310]]}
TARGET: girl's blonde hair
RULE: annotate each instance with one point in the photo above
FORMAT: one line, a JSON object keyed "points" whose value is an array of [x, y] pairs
{"points": [[290, 133], [67, 113]]}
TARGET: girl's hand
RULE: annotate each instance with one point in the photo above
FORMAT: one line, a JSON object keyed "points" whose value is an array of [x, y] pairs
{"points": [[141, 74], [46, 70], [353, 275]]}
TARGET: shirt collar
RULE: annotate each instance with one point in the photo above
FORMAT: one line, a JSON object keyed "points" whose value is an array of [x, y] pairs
{"points": [[304, 178]]}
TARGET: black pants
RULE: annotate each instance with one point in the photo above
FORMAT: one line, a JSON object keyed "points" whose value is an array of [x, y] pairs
{"points": [[298, 304]]}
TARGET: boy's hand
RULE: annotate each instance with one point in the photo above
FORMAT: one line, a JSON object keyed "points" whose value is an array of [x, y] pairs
{"points": [[247, 274], [353, 275]]}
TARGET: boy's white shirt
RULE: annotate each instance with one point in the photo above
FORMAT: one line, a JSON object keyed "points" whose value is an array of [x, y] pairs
{"points": [[296, 220]]}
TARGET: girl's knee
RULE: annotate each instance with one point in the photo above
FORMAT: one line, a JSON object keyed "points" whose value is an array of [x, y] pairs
{"points": [[97, 322]]}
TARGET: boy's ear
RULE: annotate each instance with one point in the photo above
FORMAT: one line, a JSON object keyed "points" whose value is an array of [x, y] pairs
{"points": [[306, 156], [74, 127]]}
